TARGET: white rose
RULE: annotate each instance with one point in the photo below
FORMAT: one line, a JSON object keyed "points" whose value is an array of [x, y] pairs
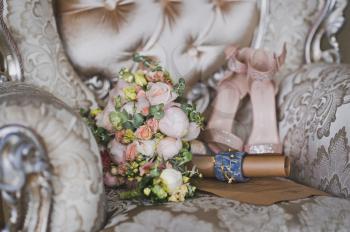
{"points": [[174, 123], [193, 132], [169, 147], [159, 93], [146, 147], [129, 108], [117, 151], [172, 179], [102, 120]]}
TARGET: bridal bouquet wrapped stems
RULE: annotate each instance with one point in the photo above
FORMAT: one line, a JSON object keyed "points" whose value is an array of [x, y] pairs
{"points": [[145, 133]]}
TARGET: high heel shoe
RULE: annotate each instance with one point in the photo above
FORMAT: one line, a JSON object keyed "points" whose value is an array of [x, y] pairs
{"points": [[264, 137], [230, 91]]}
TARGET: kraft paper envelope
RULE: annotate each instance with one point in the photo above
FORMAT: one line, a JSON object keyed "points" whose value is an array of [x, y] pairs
{"points": [[259, 191]]}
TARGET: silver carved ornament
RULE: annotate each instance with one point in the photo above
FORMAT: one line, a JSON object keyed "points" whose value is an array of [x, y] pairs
{"points": [[328, 23], [11, 67], [25, 179]]}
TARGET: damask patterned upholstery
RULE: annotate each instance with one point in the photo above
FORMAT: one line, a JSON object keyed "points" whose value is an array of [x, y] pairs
{"points": [[314, 123], [209, 213]]}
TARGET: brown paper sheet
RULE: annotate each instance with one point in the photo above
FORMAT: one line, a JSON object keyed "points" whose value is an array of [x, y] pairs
{"points": [[259, 191]]}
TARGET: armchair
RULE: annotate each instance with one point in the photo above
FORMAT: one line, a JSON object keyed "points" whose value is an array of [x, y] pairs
{"points": [[58, 56]]}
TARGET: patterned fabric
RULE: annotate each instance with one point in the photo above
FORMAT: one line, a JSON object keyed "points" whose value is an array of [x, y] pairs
{"points": [[228, 166], [314, 123], [45, 64], [210, 213]]}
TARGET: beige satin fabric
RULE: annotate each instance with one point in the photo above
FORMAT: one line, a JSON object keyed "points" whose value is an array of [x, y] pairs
{"points": [[189, 37]]}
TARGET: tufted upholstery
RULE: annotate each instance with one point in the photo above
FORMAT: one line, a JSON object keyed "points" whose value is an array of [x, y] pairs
{"points": [[189, 37]]}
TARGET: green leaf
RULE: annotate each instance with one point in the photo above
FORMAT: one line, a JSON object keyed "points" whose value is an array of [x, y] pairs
{"points": [[154, 172], [128, 125], [179, 88], [138, 120]]}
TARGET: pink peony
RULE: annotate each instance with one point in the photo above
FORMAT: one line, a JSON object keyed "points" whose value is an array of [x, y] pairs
{"points": [[130, 154], [160, 93], [146, 147], [174, 123], [144, 132], [193, 132], [117, 151], [169, 147], [153, 124]]}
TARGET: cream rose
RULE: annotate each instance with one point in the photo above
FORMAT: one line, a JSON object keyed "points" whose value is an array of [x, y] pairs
{"points": [[146, 147], [169, 147], [174, 123], [102, 120], [172, 179], [160, 93]]}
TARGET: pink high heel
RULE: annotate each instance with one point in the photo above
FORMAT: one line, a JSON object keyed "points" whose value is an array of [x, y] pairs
{"points": [[230, 91], [264, 137]]}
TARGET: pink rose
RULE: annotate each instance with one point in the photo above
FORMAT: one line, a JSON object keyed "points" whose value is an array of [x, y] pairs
{"points": [[130, 154], [155, 76], [142, 106], [145, 168], [112, 181], [117, 151], [193, 132], [153, 124], [119, 135], [160, 93], [144, 132], [174, 123], [169, 147], [141, 94]]}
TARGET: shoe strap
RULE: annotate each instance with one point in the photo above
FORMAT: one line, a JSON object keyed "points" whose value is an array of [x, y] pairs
{"points": [[275, 64]]}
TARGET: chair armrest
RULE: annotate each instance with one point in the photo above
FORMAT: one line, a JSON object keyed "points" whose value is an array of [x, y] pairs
{"points": [[314, 123], [48, 154]]}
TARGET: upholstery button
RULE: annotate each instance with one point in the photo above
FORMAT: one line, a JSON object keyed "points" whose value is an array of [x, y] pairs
{"points": [[110, 4], [193, 51]]}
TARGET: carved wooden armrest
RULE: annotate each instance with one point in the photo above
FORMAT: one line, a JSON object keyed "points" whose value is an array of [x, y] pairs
{"points": [[50, 168]]}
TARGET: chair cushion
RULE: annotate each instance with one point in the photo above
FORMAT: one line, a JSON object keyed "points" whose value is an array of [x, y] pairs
{"points": [[211, 213], [189, 37]]}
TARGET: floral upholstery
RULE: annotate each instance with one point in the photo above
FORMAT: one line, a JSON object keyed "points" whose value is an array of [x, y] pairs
{"points": [[314, 124], [210, 213]]}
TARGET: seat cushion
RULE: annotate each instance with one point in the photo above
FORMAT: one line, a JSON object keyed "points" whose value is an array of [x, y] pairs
{"points": [[211, 213], [189, 37]]}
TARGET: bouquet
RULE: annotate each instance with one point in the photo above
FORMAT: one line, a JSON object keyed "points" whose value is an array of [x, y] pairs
{"points": [[145, 133]]}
